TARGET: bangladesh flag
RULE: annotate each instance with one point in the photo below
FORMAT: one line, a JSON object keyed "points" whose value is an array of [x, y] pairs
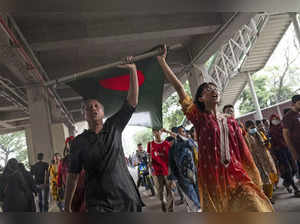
{"points": [[110, 87]]}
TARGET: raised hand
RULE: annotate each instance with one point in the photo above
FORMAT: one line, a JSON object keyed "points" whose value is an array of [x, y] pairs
{"points": [[128, 63], [164, 54]]}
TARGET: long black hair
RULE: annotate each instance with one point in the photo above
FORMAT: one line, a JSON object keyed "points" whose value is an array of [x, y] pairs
{"points": [[201, 88], [11, 166]]}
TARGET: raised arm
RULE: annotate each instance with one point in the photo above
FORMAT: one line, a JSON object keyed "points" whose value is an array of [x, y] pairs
{"points": [[133, 92], [170, 76], [169, 132]]}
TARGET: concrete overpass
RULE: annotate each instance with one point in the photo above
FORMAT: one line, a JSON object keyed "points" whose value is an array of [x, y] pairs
{"points": [[38, 47]]}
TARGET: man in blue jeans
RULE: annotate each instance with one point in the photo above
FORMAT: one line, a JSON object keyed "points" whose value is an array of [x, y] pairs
{"points": [[41, 177]]}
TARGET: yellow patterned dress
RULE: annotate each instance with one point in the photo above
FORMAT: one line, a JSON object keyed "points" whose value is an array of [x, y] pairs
{"points": [[263, 161], [53, 171], [229, 181]]}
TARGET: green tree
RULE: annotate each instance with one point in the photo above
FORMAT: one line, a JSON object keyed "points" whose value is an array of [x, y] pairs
{"points": [[262, 93], [171, 109], [13, 145], [143, 137], [172, 116]]}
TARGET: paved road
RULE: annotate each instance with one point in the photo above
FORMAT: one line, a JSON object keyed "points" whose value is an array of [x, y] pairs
{"points": [[284, 202]]}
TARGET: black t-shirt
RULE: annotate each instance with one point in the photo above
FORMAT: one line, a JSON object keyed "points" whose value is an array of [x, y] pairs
{"points": [[39, 170], [108, 182]]}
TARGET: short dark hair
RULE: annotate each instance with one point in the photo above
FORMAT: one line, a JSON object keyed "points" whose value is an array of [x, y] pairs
{"points": [[40, 156], [286, 110], [249, 123], [227, 106], [258, 122], [295, 99], [174, 129], [155, 129], [139, 144], [201, 88], [170, 138]]}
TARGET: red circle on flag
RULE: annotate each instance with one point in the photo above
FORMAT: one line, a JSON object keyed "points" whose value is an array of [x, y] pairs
{"points": [[121, 83]]}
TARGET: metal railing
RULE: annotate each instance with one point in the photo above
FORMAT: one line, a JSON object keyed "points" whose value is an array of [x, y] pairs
{"points": [[228, 60]]}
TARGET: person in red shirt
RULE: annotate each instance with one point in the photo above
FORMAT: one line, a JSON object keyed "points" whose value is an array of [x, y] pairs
{"points": [[158, 151]]}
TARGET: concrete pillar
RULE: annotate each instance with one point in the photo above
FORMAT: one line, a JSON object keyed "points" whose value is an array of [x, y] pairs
{"points": [[259, 115], [30, 150], [40, 119], [294, 17], [72, 131], [59, 134], [195, 78]]}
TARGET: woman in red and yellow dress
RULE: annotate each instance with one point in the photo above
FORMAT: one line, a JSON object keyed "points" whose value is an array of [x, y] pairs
{"points": [[229, 181]]}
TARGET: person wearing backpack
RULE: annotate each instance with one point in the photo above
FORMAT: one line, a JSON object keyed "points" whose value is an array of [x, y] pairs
{"points": [[182, 168]]}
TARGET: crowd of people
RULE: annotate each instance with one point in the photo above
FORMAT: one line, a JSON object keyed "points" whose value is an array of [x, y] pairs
{"points": [[219, 165]]}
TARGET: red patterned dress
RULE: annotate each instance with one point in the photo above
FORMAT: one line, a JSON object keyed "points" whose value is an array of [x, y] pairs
{"points": [[228, 178]]}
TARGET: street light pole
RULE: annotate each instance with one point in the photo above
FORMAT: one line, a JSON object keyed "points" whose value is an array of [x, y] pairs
{"points": [[254, 97], [294, 17]]}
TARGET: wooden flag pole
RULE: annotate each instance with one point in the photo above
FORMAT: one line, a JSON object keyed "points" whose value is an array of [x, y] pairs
{"points": [[111, 65]]}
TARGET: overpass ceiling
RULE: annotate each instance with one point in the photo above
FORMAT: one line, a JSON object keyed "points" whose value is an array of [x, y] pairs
{"points": [[266, 43], [65, 43], [258, 55]]}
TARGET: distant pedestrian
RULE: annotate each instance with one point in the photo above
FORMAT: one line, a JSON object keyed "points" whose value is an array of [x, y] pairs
{"points": [[41, 178], [291, 129]]}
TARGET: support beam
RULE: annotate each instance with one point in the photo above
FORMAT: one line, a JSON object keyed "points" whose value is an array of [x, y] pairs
{"points": [[9, 108], [12, 116], [5, 125], [10, 130], [59, 134], [75, 98], [295, 19], [201, 52], [259, 115], [40, 119]]}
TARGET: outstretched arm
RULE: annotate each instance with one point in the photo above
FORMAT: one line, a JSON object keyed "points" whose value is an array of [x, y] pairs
{"points": [[169, 132], [170, 76], [133, 92]]}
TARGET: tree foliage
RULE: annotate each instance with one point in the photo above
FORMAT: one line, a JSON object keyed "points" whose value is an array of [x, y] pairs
{"points": [[172, 116], [275, 84], [171, 109], [13, 145], [143, 137]]}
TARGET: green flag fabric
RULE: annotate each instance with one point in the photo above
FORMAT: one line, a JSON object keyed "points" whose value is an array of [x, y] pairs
{"points": [[110, 87]]}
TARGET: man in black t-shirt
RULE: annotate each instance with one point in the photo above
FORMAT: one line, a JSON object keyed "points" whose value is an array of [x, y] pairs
{"points": [[109, 186], [41, 177]]}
